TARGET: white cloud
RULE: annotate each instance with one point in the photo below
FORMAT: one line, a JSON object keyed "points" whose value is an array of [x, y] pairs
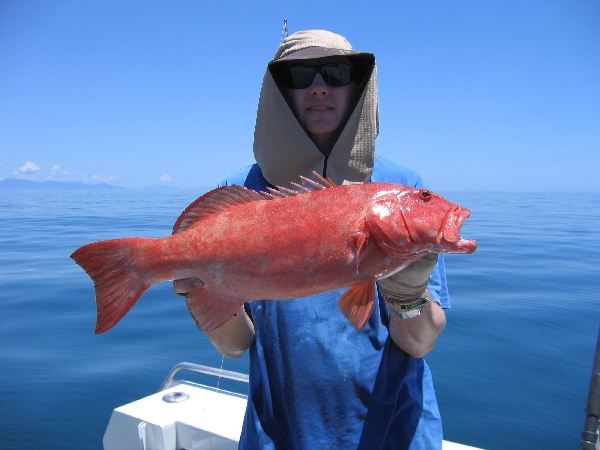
{"points": [[57, 173], [28, 171], [165, 177], [27, 167], [31, 171]]}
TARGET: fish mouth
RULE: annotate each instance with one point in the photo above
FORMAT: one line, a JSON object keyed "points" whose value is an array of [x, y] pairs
{"points": [[450, 231]]}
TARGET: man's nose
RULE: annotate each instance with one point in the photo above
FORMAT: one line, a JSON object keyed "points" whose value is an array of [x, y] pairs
{"points": [[319, 86]]}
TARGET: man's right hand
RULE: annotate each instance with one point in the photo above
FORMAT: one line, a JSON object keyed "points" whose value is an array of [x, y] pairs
{"points": [[185, 285], [234, 337]]}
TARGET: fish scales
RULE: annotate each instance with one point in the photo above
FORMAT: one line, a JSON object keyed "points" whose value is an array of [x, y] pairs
{"points": [[301, 245]]}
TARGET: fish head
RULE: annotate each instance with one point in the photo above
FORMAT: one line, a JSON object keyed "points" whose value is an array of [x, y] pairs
{"points": [[407, 220]]}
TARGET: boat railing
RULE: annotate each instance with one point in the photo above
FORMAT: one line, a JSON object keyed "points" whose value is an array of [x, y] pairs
{"points": [[202, 369]]}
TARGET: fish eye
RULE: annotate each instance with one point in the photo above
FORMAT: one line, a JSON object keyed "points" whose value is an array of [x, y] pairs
{"points": [[425, 195]]}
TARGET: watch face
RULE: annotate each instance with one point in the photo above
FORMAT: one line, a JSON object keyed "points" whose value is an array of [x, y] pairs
{"points": [[412, 313]]}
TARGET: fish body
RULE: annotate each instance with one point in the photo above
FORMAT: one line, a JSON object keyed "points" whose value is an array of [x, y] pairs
{"points": [[245, 245]]}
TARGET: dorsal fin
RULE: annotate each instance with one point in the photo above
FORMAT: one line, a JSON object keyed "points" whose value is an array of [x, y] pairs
{"points": [[224, 197], [306, 185], [215, 201]]}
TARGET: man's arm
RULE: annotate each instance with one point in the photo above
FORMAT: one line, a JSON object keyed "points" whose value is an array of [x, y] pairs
{"points": [[418, 335], [235, 336], [415, 335]]}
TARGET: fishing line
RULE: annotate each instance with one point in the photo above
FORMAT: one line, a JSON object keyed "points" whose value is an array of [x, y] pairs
{"points": [[210, 443], [220, 371]]}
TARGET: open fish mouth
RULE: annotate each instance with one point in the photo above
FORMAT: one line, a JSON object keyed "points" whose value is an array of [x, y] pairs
{"points": [[450, 231]]}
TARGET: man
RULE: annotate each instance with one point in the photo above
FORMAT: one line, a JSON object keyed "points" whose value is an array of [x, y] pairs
{"points": [[315, 381]]}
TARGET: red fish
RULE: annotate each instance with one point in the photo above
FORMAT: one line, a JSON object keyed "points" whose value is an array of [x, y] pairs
{"points": [[246, 245]]}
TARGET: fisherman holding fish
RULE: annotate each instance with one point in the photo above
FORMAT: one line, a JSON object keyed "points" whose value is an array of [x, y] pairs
{"points": [[321, 259], [315, 380]]}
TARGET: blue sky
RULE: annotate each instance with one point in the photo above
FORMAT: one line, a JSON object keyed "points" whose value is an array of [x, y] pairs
{"points": [[476, 95]]}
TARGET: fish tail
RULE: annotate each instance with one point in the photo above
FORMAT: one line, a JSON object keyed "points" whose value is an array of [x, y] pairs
{"points": [[111, 265]]}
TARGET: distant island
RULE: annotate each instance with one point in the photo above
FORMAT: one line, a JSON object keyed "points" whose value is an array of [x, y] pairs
{"points": [[159, 187], [14, 183]]}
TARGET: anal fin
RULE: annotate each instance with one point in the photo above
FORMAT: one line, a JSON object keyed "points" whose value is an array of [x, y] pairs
{"points": [[356, 304], [210, 310]]}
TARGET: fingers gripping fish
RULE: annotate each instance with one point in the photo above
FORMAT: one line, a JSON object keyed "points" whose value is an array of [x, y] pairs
{"points": [[289, 243]]}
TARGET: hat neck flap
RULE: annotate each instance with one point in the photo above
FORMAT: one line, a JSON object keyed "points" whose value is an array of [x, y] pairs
{"points": [[284, 150]]}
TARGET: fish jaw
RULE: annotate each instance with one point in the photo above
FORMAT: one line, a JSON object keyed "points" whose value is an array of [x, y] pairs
{"points": [[449, 233]]}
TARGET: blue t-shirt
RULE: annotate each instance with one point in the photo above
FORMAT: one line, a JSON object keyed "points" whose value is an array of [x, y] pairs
{"points": [[318, 383]]}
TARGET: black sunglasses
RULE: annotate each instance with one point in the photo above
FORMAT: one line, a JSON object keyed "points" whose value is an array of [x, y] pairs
{"points": [[333, 74]]}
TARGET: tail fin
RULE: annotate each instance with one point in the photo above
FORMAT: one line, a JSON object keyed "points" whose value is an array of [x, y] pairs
{"points": [[111, 265]]}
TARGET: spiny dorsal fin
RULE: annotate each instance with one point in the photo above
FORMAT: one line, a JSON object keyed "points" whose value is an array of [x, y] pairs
{"points": [[307, 185], [214, 201], [224, 197]]}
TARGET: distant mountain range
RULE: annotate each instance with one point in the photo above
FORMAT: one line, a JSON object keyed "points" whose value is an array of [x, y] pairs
{"points": [[13, 183], [159, 187]]}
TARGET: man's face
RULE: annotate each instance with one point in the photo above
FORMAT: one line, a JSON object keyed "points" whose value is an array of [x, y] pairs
{"points": [[322, 108]]}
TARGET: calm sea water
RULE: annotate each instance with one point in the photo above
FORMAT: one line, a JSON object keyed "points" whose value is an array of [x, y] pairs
{"points": [[512, 369]]}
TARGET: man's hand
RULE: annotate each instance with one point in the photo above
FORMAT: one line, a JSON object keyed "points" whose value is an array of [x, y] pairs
{"points": [[185, 285], [235, 336], [410, 282]]}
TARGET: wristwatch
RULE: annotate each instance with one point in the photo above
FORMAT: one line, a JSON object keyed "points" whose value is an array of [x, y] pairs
{"points": [[413, 308]]}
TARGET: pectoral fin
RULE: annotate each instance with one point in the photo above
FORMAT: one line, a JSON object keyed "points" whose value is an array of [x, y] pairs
{"points": [[209, 310], [361, 240], [356, 304]]}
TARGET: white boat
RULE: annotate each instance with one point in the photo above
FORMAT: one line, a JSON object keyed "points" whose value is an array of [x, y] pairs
{"points": [[187, 416]]}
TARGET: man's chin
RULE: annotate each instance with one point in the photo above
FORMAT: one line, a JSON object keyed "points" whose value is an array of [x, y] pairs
{"points": [[322, 128]]}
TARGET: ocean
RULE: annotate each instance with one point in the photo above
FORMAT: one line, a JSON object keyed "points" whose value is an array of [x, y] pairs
{"points": [[512, 368]]}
